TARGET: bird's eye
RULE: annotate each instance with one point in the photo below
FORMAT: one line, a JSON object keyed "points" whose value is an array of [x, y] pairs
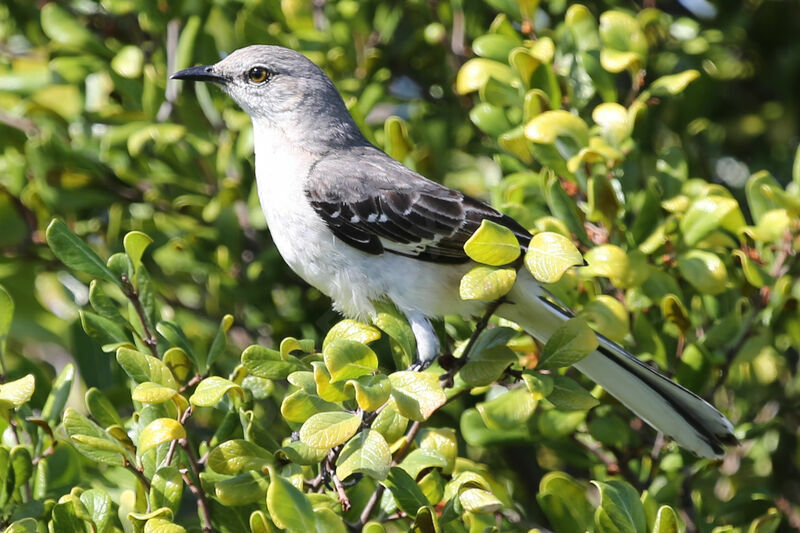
{"points": [[258, 74]]}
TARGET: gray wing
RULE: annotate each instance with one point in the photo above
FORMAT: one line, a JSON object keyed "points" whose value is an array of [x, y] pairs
{"points": [[377, 205]]}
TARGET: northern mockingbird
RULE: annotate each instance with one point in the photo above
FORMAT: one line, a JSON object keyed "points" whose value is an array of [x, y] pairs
{"points": [[361, 228]]}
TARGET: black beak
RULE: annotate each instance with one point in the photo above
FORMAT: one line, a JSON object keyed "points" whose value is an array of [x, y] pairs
{"points": [[200, 73]]}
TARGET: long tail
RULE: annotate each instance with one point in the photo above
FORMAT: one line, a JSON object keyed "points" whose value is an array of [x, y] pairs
{"points": [[670, 408]]}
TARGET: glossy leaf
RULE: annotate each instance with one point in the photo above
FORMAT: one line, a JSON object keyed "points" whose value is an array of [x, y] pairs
{"points": [[549, 255], [346, 359], [366, 453], [416, 395], [326, 430], [487, 283], [492, 244], [158, 432]]}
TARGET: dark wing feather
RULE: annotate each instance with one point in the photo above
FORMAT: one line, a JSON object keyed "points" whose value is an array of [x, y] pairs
{"points": [[376, 205]]}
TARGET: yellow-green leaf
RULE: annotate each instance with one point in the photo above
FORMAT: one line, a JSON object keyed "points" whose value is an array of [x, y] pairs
{"points": [[159, 431], [607, 315], [487, 283], [609, 261], [346, 359], [149, 392], [370, 391], [492, 244], [476, 72], [326, 430], [16, 393], [570, 343], [705, 271], [212, 389], [351, 330], [624, 42], [235, 456], [614, 122], [367, 453], [416, 395], [673, 83], [549, 255], [550, 125]]}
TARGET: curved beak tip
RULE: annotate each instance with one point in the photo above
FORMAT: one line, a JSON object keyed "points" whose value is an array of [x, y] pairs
{"points": [[200, 73]]}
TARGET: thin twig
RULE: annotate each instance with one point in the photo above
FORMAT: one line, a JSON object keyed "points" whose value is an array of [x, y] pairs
{"points": [[202, 503], [173, 88], [455, 364], [138, 473], [343, 499], [173, 445], [133, 295]]}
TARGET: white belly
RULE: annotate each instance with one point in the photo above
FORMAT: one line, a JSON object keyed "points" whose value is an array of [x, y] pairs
{"points": [[351, 278]]}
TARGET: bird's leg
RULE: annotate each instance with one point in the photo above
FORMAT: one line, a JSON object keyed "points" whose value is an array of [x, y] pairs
{"points": [[427, 340]]}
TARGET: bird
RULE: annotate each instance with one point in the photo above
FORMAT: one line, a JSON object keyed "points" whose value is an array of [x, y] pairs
{"points": [[364, 229]]}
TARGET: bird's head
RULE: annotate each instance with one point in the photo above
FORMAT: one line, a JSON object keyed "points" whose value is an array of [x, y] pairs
{"points": [[280, 88]]}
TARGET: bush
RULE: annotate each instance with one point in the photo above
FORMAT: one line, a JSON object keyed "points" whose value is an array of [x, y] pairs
{"points": [[131, 227]]}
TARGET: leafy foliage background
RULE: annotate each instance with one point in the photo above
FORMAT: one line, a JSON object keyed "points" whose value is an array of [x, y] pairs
{"points": [[684, 202]]}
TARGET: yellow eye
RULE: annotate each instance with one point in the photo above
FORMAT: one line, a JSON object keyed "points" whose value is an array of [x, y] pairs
{"points": [[258, 74]]}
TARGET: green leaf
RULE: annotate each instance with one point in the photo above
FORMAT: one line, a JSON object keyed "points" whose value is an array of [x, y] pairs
{"points": [[549, 126], [615, 124], [321, 384], [397, 143], [474, 74], [21, 464], [509, 410], [326, 430], [568, 395], [416, 395], [299, 406], [142, 367], [301, 454], [351, 330], [391, 424], [65, 519], [568, 344], [64, 28], [370, 391], [159, 431], [487, 283], [707, 214], [487, 366], [135, 243], [246, 488], [475, 500], [58, 396], [406, 492], [6, 314], [673, 84], [540, 385], [395, 325], [174, 334], [211, 390], [91, 440], [74, 253], [492, 244], [101, 408], [583, 26], [564, 503], [16, 393], [259, 523], [549, 255], [624, 43], [367, 453], [26, 525], [128, 64], [620, 508], [149, 392], [609, 261], [220, 340], [108, 333], [162, 525], [288, 507], [268, 364], [166, 489], [666, 520], [98, 504], [236, 456], [705, 271], [421, 459], [347, 359], [607, 315], [494, 46]]}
